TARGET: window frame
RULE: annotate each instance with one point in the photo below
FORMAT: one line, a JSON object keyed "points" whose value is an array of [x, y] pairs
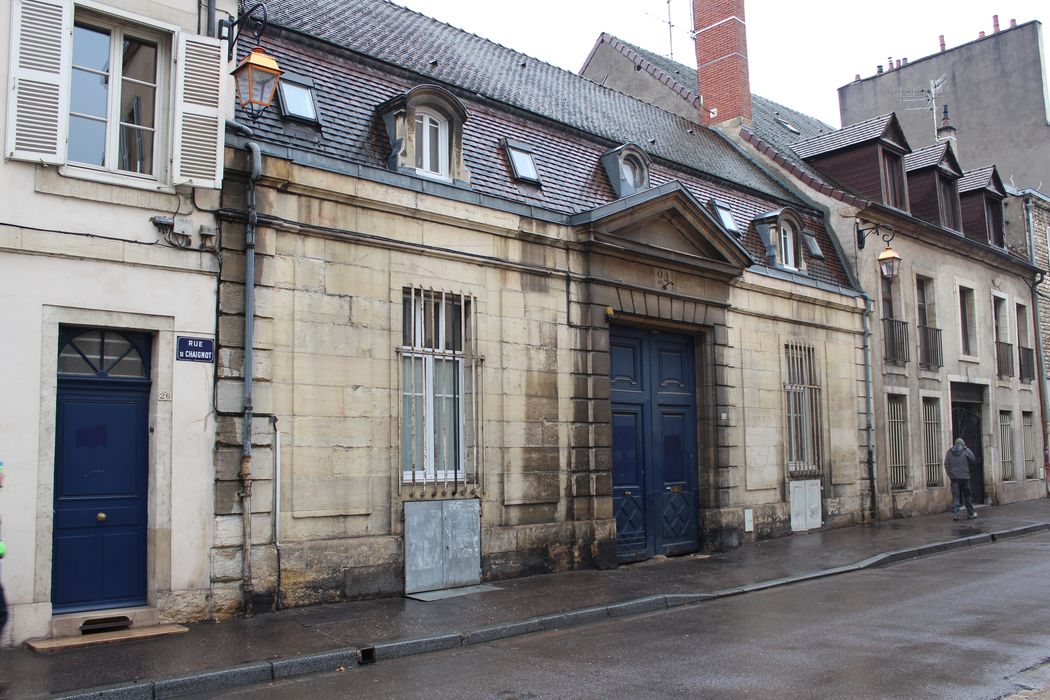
{"points": [[725, 216], [949, 202], [306, 84], [894, 182], [967, 305], [440, 349], [897, 427], [422, 146], [118, 24], [512, 147], [1007, 465], [932, 440], [788, 244]]}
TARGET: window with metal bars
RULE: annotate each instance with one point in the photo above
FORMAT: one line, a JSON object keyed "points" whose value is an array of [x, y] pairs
{"points": [[1028, 430], [931, 434], [1006, 445], [802, 388], [439, 377], [897, 436]]}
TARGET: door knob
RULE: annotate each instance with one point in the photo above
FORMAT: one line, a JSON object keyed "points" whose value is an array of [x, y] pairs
{"points": [[101, 517]]}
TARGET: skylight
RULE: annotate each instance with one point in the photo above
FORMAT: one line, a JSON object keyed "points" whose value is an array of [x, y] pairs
{"points": [[725, 216], [787, 125], [522, 162], [812, 245], [297, 100]]}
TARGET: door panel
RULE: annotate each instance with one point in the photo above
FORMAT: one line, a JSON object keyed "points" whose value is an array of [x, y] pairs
{"points": [[101, 473], [654, 443]]}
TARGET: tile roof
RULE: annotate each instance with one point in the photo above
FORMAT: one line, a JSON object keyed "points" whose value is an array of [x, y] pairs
{"points": [[979, 179], [845, 137], [925, 157], [394, 34]]}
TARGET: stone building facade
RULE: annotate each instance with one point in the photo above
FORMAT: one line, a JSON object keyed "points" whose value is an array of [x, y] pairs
{"points": [[605, 351]]}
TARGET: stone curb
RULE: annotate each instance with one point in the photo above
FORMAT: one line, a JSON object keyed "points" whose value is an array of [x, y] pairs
{"points": [[347, 658]]}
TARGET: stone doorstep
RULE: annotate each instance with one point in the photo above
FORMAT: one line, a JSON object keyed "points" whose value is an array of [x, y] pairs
{"points": [[81, 641], [68, 624]]}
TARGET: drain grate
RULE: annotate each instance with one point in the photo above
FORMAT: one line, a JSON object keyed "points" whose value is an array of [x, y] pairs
{"points": [[105, 624]]}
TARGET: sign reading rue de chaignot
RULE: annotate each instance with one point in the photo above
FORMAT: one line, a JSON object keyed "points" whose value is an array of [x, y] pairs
{"points": [[195, 349]]}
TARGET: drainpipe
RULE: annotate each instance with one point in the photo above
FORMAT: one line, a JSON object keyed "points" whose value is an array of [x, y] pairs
{"points": [[1030, 229], [245, 493], [277, 509], [869, 411]]}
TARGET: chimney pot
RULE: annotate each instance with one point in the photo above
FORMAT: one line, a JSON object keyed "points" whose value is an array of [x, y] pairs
{"points": [[856, 78], [981, 35], [1013, 23], [878, 70], [942, 42], [898, 63], [995, 23]]}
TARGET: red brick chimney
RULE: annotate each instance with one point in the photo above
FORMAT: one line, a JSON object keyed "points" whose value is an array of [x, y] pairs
{"points": [[721, 60]]}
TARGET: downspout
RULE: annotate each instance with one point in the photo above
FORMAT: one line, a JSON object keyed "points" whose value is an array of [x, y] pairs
{"points": [[245, 493], [277, 509], [869, 411], [211, 18], [1030, 229]]}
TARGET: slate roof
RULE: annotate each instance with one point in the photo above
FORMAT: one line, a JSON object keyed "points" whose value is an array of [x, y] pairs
{"points": [[925, 157], [397, 35], [979, 179], [851, 135], [348, 89]]}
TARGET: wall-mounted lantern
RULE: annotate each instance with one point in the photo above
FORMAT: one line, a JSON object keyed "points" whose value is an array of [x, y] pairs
{"points": [[257, 75], [889, 260]]}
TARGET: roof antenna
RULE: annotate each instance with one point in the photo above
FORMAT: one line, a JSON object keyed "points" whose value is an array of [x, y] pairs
{"points": [[670, 29]]}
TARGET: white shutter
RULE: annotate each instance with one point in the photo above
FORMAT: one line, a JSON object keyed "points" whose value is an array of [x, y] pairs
{"points": [[200, 79], [38, 95]]}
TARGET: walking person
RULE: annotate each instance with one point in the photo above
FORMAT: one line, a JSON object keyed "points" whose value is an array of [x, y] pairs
{"points": [[957, 461]]}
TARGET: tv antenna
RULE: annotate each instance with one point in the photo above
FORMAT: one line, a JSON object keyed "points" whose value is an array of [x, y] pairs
{"points": [[670, 29], [924, 99]]}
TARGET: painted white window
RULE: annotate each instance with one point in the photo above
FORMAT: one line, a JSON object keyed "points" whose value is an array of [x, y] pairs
{"points": [[438, 376], [787, 244], [802, 387], [432, 152], [94, 91]]}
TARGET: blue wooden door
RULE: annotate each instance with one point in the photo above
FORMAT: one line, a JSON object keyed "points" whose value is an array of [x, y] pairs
{"points": [[654, 443], [101, 471]]}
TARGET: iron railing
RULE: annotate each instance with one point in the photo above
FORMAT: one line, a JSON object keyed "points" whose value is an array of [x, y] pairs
{"points": [[897, 435], [930, 355], [1026, 364], [931, 433], [896, 333], [1004, 359], [1006, 445], [1028, 430]]}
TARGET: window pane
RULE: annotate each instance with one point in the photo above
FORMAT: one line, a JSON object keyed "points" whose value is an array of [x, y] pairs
{"points": [[524, 167], [136, 150], [297, 100], [420, 146], [434, 147], [140, 60], [412, 414], [453, 325], [137, 103], [87, 141], [91, 48], [89, 93], [446, 414]]}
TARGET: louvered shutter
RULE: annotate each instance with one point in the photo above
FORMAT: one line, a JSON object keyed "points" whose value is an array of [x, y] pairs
{"points": [[200, 80], [38, 106]]}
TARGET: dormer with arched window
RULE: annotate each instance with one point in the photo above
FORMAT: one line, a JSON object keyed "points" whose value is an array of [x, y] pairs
{"points": [[425, 128], [784, 234], [627, 167]]}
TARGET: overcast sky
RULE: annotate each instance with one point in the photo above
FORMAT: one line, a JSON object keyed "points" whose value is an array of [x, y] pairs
{"points": [[799, 52]]}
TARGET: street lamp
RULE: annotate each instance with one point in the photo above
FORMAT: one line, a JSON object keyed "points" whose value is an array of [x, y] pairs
{"points": [[889, 259], [257, 75]]}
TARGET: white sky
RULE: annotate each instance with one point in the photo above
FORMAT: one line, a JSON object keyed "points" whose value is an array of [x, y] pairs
{"points": [[799, 52]]}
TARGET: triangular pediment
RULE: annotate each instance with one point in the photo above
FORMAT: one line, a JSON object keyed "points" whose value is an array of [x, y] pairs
{"points": [[666, 224]]}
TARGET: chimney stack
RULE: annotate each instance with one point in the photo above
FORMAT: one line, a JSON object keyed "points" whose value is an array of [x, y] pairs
{"points": [[942, 42], [946, 131], [721, 60], [995, 24]]}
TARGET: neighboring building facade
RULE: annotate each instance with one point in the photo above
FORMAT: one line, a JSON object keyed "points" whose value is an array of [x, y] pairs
{"points": [[953, 340], [114, 115], [996, 91], [502, 334]]}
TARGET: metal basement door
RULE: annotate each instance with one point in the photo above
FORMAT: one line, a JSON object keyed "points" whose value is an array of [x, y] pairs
{"points": [[653, 384], [101, 470]]}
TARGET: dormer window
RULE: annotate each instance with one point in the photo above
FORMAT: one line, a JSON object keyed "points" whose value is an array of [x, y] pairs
{"points": [[432, 153], [522, 162], [993, 216], [627, 168], [893, 190], [948, 202], [425, 129], [783, 234]]}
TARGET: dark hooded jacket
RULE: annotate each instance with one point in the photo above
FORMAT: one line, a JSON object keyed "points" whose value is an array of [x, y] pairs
{"points": [[957, 462]]}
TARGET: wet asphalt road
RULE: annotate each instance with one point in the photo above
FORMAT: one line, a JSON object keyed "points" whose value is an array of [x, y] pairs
{"points": [[955, 625]]}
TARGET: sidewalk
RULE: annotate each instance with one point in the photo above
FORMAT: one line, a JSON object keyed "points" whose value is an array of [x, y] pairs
{"points": [[212, 656]]}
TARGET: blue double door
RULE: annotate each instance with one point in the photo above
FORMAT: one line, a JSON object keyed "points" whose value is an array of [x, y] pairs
{"points": [[101, 473], [654, 443]]}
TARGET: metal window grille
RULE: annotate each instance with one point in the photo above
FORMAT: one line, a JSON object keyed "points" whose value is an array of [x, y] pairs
{"points": [[931, 433], [440, 390], [1006, 445], [802, 390], [1004, 356], [1026, 364], [896, 336], [930, 355], [897, 433], [1028, 429]]}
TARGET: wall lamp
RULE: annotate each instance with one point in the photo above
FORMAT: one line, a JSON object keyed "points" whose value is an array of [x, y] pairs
{"points": [[889, 260], [256, 76]]}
